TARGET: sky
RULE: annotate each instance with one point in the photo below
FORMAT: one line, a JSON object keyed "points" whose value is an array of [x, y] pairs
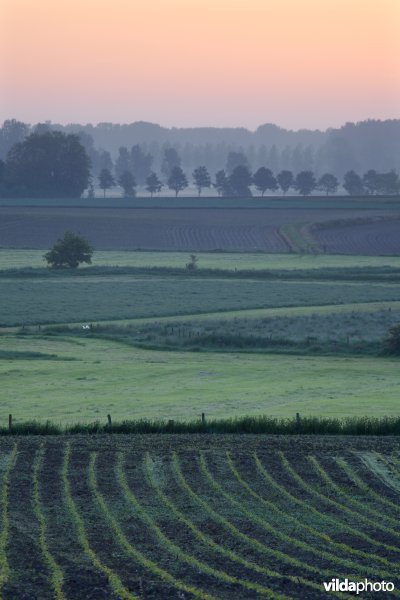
{"points": [[187, 63]]}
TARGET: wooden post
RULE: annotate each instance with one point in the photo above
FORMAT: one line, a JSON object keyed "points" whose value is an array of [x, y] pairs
{"points": [[109, 421], [10, 422], [298, 419], [203, 419]]}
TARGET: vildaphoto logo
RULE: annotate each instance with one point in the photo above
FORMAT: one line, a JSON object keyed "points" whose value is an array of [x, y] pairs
{"points": [[345, 585]]}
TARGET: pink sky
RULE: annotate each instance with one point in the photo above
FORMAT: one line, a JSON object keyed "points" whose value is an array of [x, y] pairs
{"points": [[297, 63]]}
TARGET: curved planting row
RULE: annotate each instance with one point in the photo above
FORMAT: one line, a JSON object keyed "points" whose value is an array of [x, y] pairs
{"points": [[129, 519]]}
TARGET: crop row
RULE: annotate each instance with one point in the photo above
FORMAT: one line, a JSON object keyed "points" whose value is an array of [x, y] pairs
{"points": [[192, 524]]}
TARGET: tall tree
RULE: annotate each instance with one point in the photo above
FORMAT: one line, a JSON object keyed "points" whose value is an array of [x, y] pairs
{"points": [[264, 180], [177, 180], [153, 184], [388, 183], [353, 184], [370, 182], [106, 180], [127, 181], [141, 163], [305, 182], [171, 159], [222, 184], [328, 183], [285, 180], [50, 164], [123, 162], [201, 178], [236, 159], [240, 181], [12, 132]]}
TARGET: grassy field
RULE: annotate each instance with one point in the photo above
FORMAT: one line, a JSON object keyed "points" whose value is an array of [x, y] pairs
{"points": [[345, 332], [206, 517], [76, 299], [91, 378], [18, 258]]}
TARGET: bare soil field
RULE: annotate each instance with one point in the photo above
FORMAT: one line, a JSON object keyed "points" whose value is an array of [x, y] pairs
{"points": [[368, 238], [197, 516], [179, 228]]}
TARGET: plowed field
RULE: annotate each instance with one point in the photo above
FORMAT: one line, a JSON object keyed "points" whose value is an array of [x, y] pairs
{"points": [[160, 517], [379, 238], [179, 229]]}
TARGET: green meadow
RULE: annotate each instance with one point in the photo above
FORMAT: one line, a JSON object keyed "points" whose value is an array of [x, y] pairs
{"points": [[91, 378], [69, 377], [60, 299]]}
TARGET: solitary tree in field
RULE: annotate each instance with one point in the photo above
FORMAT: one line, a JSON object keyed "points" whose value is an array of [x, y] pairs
{"points": [[106, 180], [153, 184], [264, 180], [328, 184], [128, 184], [285, 180], [69, 252], [201, 178], [305, 182], [177, 180]]}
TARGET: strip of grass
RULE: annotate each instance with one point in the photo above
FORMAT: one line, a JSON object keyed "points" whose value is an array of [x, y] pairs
{"points": [[19, 258]]}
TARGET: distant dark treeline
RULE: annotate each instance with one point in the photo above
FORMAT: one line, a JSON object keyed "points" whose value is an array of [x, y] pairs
{"points": [[371, 144], [49, 163]]}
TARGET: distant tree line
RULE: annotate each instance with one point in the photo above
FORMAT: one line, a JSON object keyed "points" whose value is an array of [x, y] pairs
{"points": [[48, 163], [370, 144]]}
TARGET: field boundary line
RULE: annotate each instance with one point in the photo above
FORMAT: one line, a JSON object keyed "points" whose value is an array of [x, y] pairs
{"points": [[349, 564], [115, 582], [320, 515], [5, 518], [178, 552], [311, 489], [358, 506], [56, 573]]}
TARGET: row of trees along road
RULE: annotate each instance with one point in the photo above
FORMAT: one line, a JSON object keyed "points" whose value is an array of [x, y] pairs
{"points": [[52, 164], [239, 182]]}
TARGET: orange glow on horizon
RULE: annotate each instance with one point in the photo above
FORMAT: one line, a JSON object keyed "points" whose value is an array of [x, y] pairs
{"points": [[299, 63]]}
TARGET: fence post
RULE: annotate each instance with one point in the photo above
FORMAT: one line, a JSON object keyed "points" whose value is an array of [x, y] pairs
{"points": [[298, 420], [203, 419], [109, 421], [10, 422]]}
